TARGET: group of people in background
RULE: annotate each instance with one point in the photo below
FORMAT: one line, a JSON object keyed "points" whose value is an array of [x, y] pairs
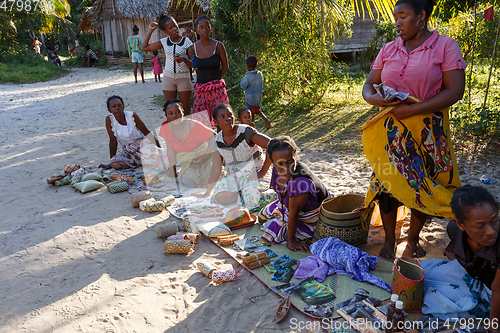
{"points": [[206, 56], [428, 66]]}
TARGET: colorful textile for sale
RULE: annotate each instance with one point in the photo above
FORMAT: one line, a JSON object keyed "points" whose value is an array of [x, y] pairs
{"points": [[348, 259]]}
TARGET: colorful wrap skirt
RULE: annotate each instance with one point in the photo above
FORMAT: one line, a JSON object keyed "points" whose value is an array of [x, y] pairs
{"points": [[206, 96], [275, 227], [412, 159], [128, 157]]}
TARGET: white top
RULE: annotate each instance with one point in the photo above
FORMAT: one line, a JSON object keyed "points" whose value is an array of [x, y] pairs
{"points": [[242, 150], [172, 68], [125, 134]]}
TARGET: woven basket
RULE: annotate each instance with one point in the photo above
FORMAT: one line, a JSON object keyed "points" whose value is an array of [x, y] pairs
{"points": [[342, 217]]}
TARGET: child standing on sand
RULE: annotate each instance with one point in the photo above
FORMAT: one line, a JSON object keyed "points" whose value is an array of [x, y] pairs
{"points": [[252, 83], [157, 66]]}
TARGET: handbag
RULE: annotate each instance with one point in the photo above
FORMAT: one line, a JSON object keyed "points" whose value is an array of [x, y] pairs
{"points": [[408, 283]]}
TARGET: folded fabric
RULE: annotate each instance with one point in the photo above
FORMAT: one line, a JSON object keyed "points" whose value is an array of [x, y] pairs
{"points": [[448, 293], [349, 260], [284, 261], [283, 274], [312, 266], [88, 186], [80, 171], [69, 168], [64, 181], [118, 186], [214, 229], [151, 205], [92, 176], [136, 198]]}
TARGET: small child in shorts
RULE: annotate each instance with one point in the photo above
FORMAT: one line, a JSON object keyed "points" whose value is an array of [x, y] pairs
{"points": [[253, 83], [245, 117], [157, 66]]}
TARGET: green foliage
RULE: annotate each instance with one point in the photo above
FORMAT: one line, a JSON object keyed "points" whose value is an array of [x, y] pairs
{"points": [[24, 66], [384, 33]]}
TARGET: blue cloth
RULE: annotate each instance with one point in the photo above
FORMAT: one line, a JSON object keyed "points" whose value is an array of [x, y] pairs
{"points": [[312, 266], [253, 83], [449, 292], [137, 57], [349, 260]]}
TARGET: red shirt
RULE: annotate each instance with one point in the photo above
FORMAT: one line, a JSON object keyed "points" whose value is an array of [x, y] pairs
{"points": [[419, 73], [199, 134]]}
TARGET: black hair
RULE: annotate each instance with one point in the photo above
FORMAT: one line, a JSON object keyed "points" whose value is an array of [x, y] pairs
{"points": [[202, 18], [49, 48], [155, 53], [173, 101], [418, 5], [251, 61], [135, 29], [467, 197], [87, 47], [282, 142], [112, 98], [220, 106], [241, 110], [164, 18]]}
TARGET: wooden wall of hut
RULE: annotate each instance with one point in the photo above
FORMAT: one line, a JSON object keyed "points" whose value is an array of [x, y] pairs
{"points": [[116, 32]]}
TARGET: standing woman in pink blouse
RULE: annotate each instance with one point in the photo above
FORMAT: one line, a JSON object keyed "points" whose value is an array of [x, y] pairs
{"points": [[429, 67]]}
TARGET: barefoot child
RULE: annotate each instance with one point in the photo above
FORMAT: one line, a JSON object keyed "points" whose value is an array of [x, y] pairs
{"points": [[253, 83], [157, 66], [245, 117]]}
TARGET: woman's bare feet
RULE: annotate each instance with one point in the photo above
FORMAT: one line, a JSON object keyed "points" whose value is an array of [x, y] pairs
{"points": [[388, 250], [414, 250]]}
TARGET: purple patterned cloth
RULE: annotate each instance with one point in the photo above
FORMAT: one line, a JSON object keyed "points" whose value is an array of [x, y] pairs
{"points": [[349, 260], [312, 266]]}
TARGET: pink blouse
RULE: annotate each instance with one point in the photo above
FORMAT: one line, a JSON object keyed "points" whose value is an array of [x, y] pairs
{"points": [[419, 73]]}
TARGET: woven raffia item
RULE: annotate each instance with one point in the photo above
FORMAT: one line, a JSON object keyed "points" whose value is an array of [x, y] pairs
{"points": [[118, 186], [178, 246], [69, 168], [167, 201], [151, 205], [343, 217], [167, 230], [205, 268], [224, 276], [136, 198], [408, 283]]}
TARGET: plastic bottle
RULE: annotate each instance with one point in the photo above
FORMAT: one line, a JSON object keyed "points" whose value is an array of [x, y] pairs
{"points": [[398, 318], [176, 56], [390, 312]]}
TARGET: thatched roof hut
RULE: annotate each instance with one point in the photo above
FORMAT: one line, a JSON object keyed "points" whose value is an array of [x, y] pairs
{"points": [[116, 18]]}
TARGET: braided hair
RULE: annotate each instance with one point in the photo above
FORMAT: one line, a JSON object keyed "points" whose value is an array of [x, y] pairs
{"points": [[164, 18], [468, 197], [173, 101], [282, 142]]}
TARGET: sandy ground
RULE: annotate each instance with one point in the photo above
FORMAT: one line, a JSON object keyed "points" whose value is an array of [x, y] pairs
{"points": [[74, 262]]}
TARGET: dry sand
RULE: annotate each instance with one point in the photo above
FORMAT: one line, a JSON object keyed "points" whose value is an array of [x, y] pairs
{"points": [[74, 262]]}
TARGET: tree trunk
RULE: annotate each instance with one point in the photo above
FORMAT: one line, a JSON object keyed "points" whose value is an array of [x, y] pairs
{"points": [[491, 66]]}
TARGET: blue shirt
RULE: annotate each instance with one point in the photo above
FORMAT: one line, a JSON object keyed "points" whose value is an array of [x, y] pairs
{"points": [[252, 83]]}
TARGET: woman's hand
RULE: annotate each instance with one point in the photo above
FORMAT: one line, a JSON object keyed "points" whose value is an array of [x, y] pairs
{"points": [[377, 100], [294, 245], [153, 26], [403, 111], [179, 59], [202, 195]]}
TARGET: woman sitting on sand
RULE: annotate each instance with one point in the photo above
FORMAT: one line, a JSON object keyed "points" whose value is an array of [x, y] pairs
{"points": [[292, 217], [237, 147], [126, 128], [189, 142]]}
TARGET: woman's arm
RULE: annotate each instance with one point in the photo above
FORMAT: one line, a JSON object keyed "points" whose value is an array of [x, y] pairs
{"points": [[113, 143], [451, 92], [140, 125], [172, 160], [495, 304], [262, 141], [151, 47], [369, 93], [221, 51], [190, 52], [295, 206], [214, 174]]}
